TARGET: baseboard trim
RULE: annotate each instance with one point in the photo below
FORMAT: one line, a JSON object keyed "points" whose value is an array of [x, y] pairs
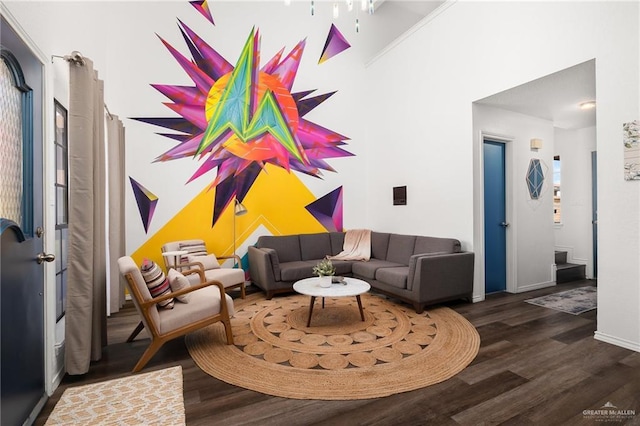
{"points": [[536, 286], [476, 299], [57, 379], [623, 343]]}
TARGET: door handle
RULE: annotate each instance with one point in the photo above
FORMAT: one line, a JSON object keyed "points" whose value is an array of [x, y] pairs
{"points": [[504, 224], [45, 257]]}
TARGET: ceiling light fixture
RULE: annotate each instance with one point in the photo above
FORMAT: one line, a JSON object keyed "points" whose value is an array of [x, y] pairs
{"points": [[588, 105], [365, 5]]}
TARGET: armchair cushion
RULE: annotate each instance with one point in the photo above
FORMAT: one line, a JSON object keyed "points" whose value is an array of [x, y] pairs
{"points": [[227, 276], [177, 281], [156, 281], [209, 261], [205, 303]]}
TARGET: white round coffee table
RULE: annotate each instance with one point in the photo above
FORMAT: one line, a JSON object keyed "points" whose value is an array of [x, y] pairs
{"points": [[311, 287]]}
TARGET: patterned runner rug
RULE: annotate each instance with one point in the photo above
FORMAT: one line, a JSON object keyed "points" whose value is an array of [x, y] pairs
{"points": [[575, 302], [340, 357], [143, 399]]}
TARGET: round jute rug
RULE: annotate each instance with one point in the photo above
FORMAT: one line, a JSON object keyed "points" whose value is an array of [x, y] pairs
{"points": [[340, 356]]}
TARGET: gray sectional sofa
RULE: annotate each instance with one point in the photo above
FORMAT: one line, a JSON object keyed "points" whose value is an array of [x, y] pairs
{"points": [[419, 270]]}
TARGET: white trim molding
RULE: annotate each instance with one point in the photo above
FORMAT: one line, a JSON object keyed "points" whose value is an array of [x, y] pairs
{"points": [[623, 343]]}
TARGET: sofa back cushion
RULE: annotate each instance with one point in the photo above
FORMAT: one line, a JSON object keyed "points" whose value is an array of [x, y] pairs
{"points": [[337, 242], [436, 245], [379, 245], [315, 246], [400, 248], [287, 246]]}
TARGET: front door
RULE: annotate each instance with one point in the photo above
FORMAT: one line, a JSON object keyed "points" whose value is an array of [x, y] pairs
{"points": [[21, 246], [495, 223]]}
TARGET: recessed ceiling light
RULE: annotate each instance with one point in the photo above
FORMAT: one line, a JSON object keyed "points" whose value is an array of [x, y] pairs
{"points": [[588, 105]]}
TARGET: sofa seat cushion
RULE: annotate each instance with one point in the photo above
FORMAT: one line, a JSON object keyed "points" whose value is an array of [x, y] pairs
{"points": [[368, 269], [294, 271], [396, 277], [227, 276], [203, 303], [343, 267]]}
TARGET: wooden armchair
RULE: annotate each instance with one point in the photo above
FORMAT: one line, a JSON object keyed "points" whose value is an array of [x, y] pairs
{"points": [[208, 304], [230, 278]]}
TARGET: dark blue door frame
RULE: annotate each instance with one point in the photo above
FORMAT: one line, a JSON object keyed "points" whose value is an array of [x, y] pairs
{"points": [[495, 220]]}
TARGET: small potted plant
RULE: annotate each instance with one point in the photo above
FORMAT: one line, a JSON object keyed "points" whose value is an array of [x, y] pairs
{"points": [[325, 270]]}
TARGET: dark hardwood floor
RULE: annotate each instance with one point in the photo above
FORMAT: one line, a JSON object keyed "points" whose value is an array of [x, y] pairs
{"points": [[535, 366]]}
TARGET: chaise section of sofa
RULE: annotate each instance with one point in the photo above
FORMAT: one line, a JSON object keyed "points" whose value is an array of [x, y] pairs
{"points": [[419, 270]]}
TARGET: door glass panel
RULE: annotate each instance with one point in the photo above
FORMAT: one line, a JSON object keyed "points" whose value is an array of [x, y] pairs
{"points": [[65, 239], [58, 250], [11, 160], [61, 166], [61, 205]]}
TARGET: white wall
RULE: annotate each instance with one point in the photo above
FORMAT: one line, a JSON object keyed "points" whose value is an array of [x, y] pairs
{"points": [[421, 130], [530, 234], [574, 235], [120, 37]]}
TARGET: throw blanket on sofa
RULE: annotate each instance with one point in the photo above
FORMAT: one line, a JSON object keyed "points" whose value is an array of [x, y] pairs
{"points": [[357, 245]]}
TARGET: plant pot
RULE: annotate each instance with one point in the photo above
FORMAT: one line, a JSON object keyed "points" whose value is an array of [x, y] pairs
{"points": [[324, 281]]}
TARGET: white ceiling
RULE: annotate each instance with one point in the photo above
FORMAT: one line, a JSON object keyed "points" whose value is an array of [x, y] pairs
{"points": [[555, 97]]}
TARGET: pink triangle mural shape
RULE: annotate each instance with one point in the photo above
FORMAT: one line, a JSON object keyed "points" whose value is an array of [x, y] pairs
{"points": [[203, 7], [335, 44]]}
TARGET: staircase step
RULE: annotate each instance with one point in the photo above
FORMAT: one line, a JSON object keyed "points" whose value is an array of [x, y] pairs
{"points": [[567, 272], [561, 257]]}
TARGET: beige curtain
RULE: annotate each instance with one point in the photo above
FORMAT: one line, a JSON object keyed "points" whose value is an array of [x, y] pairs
{"points": [[115, 154], [85, 329]]}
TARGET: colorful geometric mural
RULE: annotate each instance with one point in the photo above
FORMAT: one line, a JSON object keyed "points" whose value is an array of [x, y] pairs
{"points": [[241, 118], [242, 121], [335, 44], [146, 201]]}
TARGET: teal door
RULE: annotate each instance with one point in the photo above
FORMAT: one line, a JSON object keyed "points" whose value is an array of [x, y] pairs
{"points": [[22, 377], [495, 221]]}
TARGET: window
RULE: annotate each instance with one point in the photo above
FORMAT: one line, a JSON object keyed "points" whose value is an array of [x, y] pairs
{"points": [[11, 146], [557, 211], [62, 207]]}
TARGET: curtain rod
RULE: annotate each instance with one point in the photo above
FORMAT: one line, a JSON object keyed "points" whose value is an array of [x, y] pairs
{"points": [[75, 57]]}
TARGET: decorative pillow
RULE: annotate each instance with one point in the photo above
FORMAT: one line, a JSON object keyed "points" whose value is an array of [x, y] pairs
{"points": [[177, 281], [193, 249], [157, 282], [209, 261]]}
